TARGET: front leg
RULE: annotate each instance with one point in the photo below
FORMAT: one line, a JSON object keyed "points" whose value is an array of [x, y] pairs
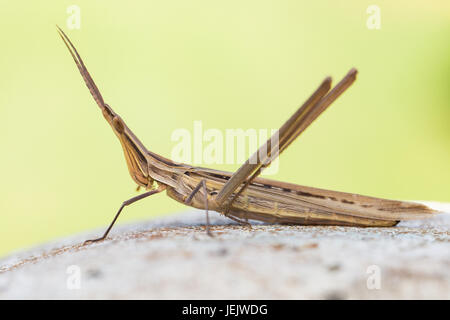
{"points": [[124, 204]]}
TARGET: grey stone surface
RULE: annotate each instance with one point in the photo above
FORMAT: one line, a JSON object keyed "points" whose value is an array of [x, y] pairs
{"points": [[173, 258]]}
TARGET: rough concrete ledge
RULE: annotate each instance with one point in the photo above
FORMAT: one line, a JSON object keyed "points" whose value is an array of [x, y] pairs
{"points": [[173, 258]]}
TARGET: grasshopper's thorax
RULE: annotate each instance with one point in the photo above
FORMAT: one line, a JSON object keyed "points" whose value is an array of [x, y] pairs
{"points": [[165, 171]]}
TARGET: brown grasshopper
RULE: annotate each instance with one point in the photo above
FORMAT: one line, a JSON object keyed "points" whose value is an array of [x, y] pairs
{"points": [[242, 195]]}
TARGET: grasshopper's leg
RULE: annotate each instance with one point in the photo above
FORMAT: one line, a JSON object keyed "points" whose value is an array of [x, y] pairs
{"points": [[124, 204], [295, 125], [191, 196], [264, 153], [194, 192], [242, 222]]}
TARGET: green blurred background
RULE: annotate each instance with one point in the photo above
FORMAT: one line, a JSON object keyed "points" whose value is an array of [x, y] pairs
{"points": [[232, 64]]}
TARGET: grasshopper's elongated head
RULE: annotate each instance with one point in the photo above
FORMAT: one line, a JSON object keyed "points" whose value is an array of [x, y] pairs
{"points": [[134, 151]]}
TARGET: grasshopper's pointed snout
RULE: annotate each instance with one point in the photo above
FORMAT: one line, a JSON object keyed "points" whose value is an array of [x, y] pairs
{"points": [[111, 117], [134, 150]]}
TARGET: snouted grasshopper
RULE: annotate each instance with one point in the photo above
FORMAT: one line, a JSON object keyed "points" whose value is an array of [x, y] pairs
{"points": [[242, 195]]}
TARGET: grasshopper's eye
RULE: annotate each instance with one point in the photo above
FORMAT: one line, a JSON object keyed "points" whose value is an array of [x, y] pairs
{"points": [[118, 124], [107, 110]]}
